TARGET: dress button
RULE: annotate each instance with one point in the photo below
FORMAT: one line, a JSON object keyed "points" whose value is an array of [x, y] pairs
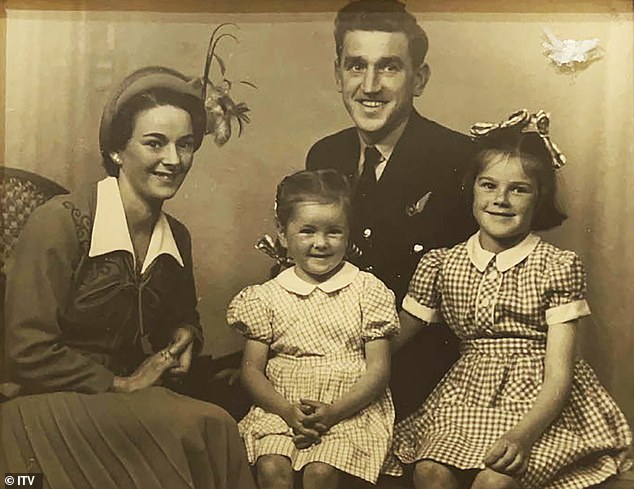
{"points": [[367, 232], [369, 268], [418, 248], [492, 274]]}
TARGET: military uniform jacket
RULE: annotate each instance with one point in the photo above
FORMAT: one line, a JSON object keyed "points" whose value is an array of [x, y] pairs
{"points": [[417, 204]]}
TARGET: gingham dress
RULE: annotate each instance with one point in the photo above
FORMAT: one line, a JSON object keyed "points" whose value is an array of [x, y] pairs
{"points": [[501, 306], [316, 335]]}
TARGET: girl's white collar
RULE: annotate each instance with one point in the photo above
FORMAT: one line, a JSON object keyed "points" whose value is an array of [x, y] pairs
{"points": [[504, 260], [293, 283]]}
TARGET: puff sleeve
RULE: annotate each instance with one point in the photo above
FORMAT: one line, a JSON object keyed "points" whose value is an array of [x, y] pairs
{"points": [[423, 296], [565, 289], [250, 316], [378, 310]]}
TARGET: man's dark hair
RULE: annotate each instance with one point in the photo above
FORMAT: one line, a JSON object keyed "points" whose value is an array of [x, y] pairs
{"points": [[384, 16]]}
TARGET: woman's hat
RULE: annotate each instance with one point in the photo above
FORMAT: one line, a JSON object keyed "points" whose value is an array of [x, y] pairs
{"points": [[144, 80], [217, 108]]}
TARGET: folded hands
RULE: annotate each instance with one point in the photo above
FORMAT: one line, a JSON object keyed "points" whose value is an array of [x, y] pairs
{"points": [[309, 420]]}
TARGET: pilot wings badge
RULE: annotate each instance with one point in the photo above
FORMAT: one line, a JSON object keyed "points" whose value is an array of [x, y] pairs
{"points": [[417, 207]]}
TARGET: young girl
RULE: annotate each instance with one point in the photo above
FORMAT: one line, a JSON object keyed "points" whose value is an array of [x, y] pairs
{"points": [[517, 409], [317, 356]]}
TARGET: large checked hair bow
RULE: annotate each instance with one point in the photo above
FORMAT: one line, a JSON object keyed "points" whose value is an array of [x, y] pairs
{"points": [[523, 121]]}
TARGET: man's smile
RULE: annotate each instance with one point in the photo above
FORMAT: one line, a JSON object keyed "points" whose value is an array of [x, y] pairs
{"points": [[372, 104]]}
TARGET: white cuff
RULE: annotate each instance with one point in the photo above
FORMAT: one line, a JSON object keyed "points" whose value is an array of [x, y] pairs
{"points": [[420, 311], [567, 312]]}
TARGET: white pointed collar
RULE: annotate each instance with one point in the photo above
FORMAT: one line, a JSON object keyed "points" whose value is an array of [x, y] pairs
{"points": [[504, 260], [293, 283], [110, 229]]}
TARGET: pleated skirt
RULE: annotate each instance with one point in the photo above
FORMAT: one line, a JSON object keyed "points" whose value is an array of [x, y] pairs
{"points": [[152, 438]]}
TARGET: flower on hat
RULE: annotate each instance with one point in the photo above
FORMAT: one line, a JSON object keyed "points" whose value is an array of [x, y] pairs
{"points": [[220, 107]]}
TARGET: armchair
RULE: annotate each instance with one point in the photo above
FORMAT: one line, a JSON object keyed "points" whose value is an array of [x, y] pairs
{"points": [[20, 193]]}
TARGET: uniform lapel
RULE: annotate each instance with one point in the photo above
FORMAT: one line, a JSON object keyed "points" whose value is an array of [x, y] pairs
{"points": [[350, 151], [399, 186], [410, 152]]}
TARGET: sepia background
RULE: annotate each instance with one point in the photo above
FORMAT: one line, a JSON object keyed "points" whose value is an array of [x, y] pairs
{"points": [[60, 66]]}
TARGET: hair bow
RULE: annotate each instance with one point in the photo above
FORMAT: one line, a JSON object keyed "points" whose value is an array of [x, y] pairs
{"points": [[272, 249], [524, 122]]}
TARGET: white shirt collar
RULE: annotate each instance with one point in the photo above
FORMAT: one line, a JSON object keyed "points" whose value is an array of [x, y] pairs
{"points": [[110, 229], [504, 260], [384, 147], [291, 282]]}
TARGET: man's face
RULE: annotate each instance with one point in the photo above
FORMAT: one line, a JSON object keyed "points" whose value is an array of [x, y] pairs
{"points": [[378, 81]]}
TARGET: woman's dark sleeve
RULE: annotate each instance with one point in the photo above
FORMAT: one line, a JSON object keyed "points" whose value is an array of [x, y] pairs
{"points": [[189, 317], [38, 283]]}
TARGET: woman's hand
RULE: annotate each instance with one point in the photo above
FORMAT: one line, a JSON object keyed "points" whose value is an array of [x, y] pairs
{"points": [[319, 415], [509, 454], [181, 348], [147, 374]]}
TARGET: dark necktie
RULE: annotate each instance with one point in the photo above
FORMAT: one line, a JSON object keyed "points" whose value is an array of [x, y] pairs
{"points": [[367, 180]]}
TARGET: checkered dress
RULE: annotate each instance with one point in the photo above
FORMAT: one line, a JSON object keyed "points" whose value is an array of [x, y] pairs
{"points": [[316, 338], [501, 311]]}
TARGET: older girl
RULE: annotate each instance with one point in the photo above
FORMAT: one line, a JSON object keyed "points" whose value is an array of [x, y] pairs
{"points": [[518, 409]]}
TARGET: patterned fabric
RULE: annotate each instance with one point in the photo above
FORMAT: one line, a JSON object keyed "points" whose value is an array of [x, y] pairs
{"points": [[501, 307], [20, 193], [316, 337], [19, 197]]}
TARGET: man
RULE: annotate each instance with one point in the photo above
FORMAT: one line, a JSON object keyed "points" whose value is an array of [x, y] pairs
{"points": [[407, 171]]}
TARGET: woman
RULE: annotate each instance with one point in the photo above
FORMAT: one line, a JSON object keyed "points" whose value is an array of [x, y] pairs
{"points": [[101, 310]]}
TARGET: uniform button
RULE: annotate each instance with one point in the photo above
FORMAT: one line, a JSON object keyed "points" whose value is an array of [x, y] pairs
{"points": [[367, 232]]}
